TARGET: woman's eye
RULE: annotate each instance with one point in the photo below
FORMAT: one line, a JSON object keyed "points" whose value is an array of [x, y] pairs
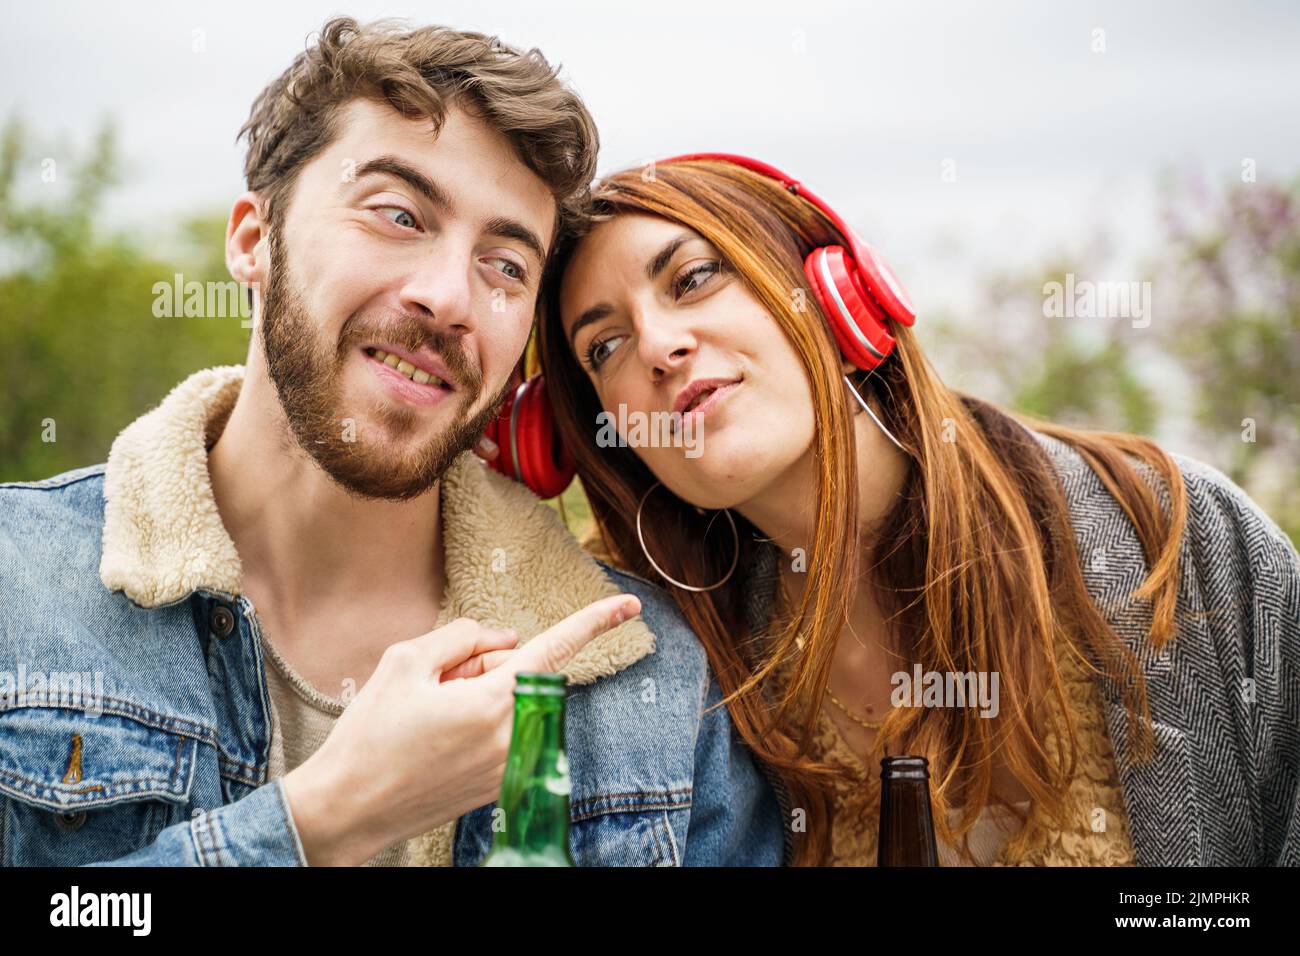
{"points": [[403, 218], [509, 268], [696, 276], [597, 352]]}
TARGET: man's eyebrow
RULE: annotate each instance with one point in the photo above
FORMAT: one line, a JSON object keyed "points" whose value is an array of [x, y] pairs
{"points": [[594, 314], [392, 166], [508, 228], [502, 226], [656, 265]]}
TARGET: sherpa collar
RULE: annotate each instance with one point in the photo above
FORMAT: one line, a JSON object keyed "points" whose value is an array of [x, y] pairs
{"points": [[510, 562]]}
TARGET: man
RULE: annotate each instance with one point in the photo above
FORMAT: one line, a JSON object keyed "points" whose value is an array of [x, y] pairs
{"points": [[294, 591]]}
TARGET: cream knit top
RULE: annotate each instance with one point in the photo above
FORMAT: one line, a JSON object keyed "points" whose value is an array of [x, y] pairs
{"points": [[1097, 836]]}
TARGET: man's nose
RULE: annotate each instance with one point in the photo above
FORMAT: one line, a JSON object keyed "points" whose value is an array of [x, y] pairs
{"points": [[439, 290]]}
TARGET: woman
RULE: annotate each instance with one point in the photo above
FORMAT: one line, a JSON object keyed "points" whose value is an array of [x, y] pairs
{"points": [[1127, 621]]}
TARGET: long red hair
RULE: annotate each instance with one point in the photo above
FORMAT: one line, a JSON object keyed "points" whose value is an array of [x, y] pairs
{"points": [[975, 566]]}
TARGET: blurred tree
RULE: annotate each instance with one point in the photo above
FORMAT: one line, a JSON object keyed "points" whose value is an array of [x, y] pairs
{"points": [[1213, 369], [1233, 275], [1086, 370], [82, 353]]}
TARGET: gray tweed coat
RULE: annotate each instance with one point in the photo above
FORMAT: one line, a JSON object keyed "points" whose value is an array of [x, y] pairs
{"points": [[1224, 786]]}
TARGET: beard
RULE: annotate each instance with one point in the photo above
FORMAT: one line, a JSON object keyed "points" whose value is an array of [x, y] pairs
{"points": [[308, 378]]}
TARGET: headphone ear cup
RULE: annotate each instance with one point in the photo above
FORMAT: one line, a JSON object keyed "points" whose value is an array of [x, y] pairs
{"points": [[499, 431], [546, 469], [527, 429], [856, 321], [873, 273]]}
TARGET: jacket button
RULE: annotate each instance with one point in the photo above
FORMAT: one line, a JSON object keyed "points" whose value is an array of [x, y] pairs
{"points": [[222, 620], [70, 820]]}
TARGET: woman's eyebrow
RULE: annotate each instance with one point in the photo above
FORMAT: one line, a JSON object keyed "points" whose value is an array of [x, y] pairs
{"points": [[656, 265], [594, 314]]}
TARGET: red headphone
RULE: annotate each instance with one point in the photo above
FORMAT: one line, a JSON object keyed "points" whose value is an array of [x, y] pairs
{"points": [[857, 291]]}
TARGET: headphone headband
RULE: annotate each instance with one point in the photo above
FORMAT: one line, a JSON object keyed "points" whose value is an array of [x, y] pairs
{"points": [[856, 289], [893, 297]]}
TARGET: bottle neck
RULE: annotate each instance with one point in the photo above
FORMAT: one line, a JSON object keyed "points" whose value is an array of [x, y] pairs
{"points": [[906, 825], [534, 801]]}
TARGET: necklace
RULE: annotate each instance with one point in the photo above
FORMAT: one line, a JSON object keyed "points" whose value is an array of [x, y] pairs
{"points": [[851, 715], [862, 721]]}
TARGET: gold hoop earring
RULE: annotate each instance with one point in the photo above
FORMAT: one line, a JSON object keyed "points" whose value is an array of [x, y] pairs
{"points": [[735, 558]]}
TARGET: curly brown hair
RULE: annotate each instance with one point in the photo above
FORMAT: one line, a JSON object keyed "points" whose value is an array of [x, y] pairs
{"points": [[420, 72]]}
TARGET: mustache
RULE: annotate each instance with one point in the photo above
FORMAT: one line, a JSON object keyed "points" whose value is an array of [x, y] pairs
{"points": [[408, 332]]}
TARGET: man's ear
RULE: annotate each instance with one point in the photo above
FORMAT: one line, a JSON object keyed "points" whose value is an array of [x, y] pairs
{"points": [[246, 232]]}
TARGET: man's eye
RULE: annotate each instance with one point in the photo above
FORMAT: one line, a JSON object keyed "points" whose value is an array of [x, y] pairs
{"points": [[403, 218], [509, 268]]}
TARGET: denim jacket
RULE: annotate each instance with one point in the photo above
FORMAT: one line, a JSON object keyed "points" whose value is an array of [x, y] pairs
{"points": [[134, 710]]}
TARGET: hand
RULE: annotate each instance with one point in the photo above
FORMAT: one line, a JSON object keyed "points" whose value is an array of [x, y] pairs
{"points": [[413, 751], [487, 449], [482, 661]]}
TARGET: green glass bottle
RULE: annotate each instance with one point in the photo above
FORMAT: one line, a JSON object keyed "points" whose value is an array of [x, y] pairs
{"points": [[531, 820]]}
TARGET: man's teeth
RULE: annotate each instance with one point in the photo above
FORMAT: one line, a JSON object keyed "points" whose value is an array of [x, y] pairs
{"points": [[417, 375]]}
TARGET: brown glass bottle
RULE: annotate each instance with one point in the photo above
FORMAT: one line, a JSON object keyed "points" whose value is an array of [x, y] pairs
{"points": [[906, 824]]}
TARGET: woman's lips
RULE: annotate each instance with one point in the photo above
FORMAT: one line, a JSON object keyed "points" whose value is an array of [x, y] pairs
{"points": [[709, 403]]}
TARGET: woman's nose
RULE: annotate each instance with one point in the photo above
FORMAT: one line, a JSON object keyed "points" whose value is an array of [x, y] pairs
{"points": [[664, 346]]}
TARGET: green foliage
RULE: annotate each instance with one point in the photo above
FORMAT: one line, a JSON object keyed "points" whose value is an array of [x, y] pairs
{"points": [[573, 509], [1067, 383], [1234, 275], [82, 347], [1213, 371]]}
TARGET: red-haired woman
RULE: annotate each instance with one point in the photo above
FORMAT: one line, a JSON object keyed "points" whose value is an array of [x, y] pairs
{"points": [[1125, 622]]}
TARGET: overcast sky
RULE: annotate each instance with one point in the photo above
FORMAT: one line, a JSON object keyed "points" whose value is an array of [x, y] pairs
{"points": [[864, 101]]}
